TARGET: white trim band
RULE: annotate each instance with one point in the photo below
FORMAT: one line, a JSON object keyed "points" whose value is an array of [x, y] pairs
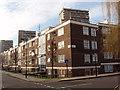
{"points": [[82, 67], [110, 63]]}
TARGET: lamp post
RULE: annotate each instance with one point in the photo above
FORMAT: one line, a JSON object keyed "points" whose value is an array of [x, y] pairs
{"points": [[15, 59], [96, 67], [66, 61], [26, 60]]}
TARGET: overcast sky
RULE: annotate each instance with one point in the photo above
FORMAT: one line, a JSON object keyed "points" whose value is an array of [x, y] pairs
{"points": [[28, 14]]}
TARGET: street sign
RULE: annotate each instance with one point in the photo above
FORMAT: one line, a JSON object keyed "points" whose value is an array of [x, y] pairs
{"points": [[66, 61]]}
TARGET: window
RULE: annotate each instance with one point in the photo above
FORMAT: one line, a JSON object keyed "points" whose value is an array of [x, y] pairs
{"points": [[61, 45], [104, 42], [30, 62], [86, 44], [87, 58], [62, 73], [33, 61], [30, 44], [30, 53], [95, 57], [33, 43], [49, 71], [24, 54], [48, 48], [94, 44], [48, 60], [108, 68], [85, 30], [23, 47], [48, 37], [60, 31], [93, 32], [105, 30], [108, 55], [61, 58], [36, 51], [71, 46]]}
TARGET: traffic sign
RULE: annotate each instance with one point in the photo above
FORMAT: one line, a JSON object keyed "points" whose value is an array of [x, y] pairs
{"points": [[66, 61]]}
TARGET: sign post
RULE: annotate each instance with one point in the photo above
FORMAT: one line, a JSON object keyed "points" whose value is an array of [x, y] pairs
{"points": [[66, 61]]}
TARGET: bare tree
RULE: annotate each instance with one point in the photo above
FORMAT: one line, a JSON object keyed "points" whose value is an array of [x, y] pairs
{"points": [[112, 37]]}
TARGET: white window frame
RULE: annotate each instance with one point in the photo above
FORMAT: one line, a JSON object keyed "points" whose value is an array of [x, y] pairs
{"points": [[61, 58], [94, 44], [61, 44], [48, 48], [95, 57], [87, 58], [105, 30], [85, 30], [48, 60], [108, 55], [86, 44], [93, 31], [48, 36], [60, 31], [108, 68], [49, 72]]}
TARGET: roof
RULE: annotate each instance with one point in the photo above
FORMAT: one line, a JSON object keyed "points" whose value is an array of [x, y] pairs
{"points": [[73, 10]]}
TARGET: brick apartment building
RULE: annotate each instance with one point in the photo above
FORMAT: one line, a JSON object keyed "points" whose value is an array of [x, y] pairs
{"points": [[109, 62], [76, 42], [5, 45], [24, 35], [31, 47], [72, 48], [74, 14], [81, 44]]}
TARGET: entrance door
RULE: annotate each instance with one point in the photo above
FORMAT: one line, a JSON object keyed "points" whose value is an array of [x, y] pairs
{"points": [[62, 73], [87, 71]]}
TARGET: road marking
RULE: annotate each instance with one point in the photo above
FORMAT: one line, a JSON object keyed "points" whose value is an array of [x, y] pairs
{"points": [[44, 85], [52, 87], [48, 86], [116, 87], [37, 83], [63, 87], [78, 85]]}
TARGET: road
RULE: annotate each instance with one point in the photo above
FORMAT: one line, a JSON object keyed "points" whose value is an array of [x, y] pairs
{"points": [[104, 82], [11, 82]]}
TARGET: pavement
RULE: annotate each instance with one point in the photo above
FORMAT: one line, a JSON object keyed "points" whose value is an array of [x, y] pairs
{"points": [[37, 80], [29, 78], [90, 77]]}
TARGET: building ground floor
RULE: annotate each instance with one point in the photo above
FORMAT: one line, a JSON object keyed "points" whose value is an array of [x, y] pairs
{"points": [[22, 69], [67, 71], [82, 71]]}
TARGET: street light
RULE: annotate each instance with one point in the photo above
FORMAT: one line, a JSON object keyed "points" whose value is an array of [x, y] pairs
{"points": [[15, 59], [96, 71], [26, 60]]}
